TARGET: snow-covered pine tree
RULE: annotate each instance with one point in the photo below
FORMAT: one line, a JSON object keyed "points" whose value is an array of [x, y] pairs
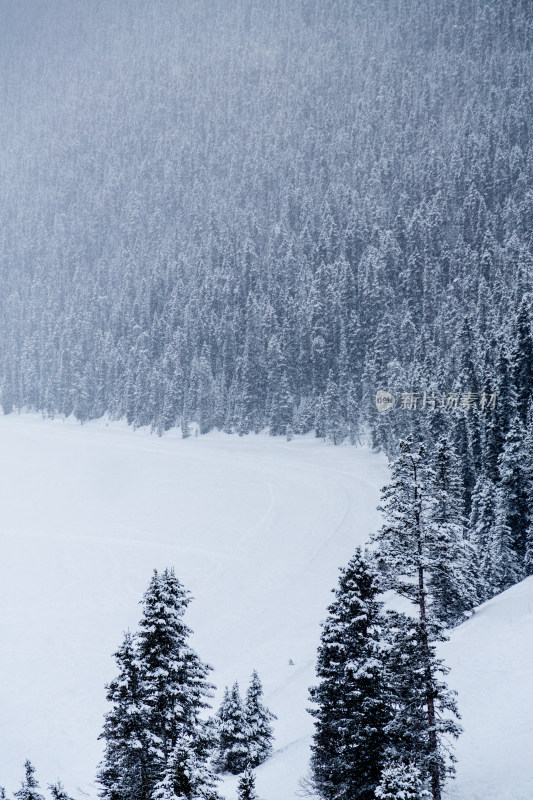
{"points": [[406, 689], [258, 718], [29, 789], [233, 751], [246, 787], [453, 578], [125, 771], [512, 509], [408, 555], [174, 679], [522, 358], [186, 776], [57, 790], [401, 781], [348, 748], [335, 428]]}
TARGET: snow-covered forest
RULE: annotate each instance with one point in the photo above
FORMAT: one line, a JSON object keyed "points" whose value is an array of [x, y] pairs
{"points": [[257, 214], [257, 217]]}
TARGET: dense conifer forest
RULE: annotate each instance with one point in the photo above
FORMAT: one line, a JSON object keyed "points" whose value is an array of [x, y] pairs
{"points": [[256, 216]]}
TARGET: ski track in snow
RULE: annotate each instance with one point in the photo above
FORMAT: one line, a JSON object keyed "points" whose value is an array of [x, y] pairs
{"points": [[256, 528]]}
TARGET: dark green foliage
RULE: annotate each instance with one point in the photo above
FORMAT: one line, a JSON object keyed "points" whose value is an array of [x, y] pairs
{"points": [[415, 543], [246, 788], [259, 721], [349, 701], [156, 742], [233, 734]]}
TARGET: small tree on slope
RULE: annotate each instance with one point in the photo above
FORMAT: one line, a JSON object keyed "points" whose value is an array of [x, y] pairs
{"points": [[29, 789], [246, 788], [57, 790], [258, 718]]}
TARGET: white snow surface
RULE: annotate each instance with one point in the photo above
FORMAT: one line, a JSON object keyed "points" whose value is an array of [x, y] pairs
{"points": [[256, 528]]}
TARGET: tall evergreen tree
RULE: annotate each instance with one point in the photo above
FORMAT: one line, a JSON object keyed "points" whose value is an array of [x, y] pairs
{"points": [[234, 734], [259, 720], [174, 679], [158, 699], [125, 769], [408, 547], [350, 712], [453, 581]]}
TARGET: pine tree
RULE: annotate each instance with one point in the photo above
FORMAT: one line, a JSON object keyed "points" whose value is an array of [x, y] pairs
{"points": [[453, 579], [401, 781], [186, 776], [57, 790], [157, 699], [407, 686], [234, 734], [409, 551], [258, 719], [522, 359], [125, 770], [246, 787], [29, 789], [174, 679], [350, 712], [334, 425]]}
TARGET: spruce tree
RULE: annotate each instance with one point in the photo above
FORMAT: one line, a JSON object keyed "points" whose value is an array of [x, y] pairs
{"points": [[409, 552], [125, 769], [522, 359], [57, 790], [246, 787], [186, 776], [29, 789], [233, 752], [258, 719], [407, 685], [453, 582], [174, 679], [157, 700], [349, 708]]}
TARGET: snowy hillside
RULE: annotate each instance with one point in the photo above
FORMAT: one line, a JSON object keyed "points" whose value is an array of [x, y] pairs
{"points": [[256, 528]]}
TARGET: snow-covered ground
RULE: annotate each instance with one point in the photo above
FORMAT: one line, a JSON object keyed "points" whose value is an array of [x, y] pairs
{"points": [[256, 528]]}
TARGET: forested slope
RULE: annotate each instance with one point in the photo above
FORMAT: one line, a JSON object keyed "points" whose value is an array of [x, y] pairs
{"points": [[252, 214]]}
